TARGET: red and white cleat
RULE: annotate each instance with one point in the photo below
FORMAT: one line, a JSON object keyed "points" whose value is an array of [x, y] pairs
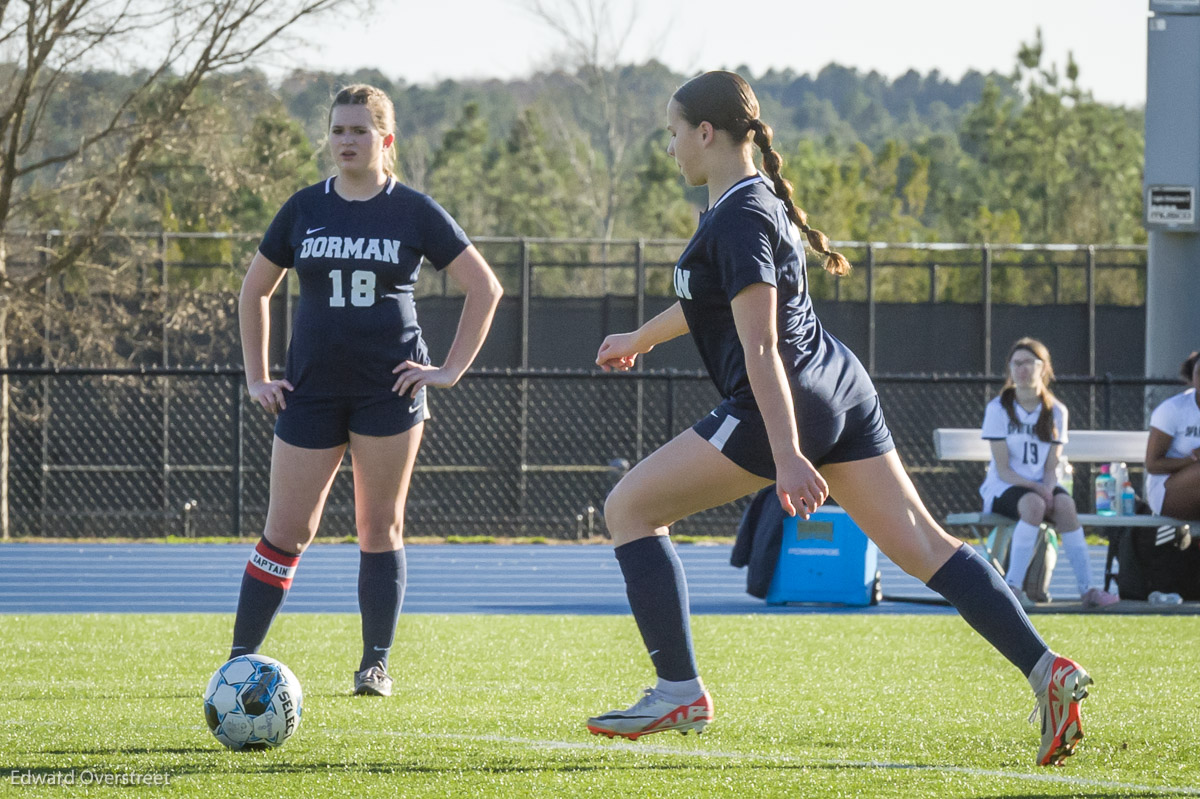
{"points": [[1058, 706], [654, 713]]}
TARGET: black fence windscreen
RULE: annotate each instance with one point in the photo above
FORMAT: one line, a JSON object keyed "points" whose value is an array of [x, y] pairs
{"points": [[131, 453]]}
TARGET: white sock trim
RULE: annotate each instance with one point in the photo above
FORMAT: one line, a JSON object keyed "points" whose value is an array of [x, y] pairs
{"points": [[1039, 678], [682, 690]]}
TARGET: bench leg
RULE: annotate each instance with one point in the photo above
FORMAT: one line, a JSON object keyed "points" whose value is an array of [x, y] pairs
{"points": [[1114, 539]]}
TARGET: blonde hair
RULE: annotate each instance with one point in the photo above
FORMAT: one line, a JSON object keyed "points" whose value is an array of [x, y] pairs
{"points": [[726, 101], [383, 115]]}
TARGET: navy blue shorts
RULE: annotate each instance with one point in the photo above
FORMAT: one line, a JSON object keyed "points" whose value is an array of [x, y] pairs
{"points": [[1006, 503], [325, 422], [740, 434]]}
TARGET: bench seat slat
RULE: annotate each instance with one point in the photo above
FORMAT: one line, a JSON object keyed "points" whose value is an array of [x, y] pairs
{"points": [[1085, 519], [1083, 446]]}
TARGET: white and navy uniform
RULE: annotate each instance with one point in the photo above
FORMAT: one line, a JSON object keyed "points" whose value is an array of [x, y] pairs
{"points": [[357, 263], [1178, 417], [747, 238], [1026, 452]]}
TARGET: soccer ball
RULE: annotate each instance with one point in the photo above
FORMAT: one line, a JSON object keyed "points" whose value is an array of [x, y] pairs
{"points": [[252, 702]]}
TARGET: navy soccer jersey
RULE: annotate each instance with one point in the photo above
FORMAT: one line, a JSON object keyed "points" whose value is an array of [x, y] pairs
{"points": [[747, 238], [357, 262]]}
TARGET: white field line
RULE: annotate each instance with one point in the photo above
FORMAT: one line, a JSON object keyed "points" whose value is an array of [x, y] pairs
{"points": [[717, 754]]}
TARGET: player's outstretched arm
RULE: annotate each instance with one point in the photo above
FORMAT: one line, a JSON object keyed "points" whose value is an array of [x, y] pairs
{"points": [[471, 273], [262, 278], [620, 350]]}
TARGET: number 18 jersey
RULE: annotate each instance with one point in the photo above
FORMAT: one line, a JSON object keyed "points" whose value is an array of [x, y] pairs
{"points": [[1026, 452], [357, 263]]}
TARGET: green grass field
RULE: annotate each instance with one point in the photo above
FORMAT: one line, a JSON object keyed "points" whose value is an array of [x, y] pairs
{"points": [[493, 706]]}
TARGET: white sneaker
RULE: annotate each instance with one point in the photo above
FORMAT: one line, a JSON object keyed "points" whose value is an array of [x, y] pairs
{"points": [[654, 713]]}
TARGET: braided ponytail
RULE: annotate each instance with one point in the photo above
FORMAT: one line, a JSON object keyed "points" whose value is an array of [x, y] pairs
{"points": [[835, 262]]}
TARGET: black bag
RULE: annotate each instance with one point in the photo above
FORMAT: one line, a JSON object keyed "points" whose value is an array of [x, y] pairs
{"points": [[1155, 560]]}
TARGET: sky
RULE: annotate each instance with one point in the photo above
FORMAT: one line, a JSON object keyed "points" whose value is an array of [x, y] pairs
{"points": [[427, 41]]}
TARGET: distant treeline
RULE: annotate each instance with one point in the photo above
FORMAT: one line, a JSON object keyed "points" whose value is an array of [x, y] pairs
{"points": [[1024, 157]]}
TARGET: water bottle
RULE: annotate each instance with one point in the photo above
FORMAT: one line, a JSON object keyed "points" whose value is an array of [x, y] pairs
{"points": [[1159, 598], [1120, 473], [1127, 499], [1106, 490]]}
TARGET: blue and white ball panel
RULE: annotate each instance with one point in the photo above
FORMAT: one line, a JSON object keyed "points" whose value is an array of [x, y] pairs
{"points": [[253, 702]]}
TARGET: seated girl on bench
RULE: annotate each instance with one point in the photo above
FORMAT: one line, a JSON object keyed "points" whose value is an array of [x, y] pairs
{"points": [[1027, 426]]}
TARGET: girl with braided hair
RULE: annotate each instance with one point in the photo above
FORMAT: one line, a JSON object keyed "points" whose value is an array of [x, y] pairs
{"points": [[798, 410]]}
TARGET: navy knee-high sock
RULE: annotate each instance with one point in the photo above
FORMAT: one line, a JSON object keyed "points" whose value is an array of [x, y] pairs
{"points": [[382, 577], [658, 597], [985, 603], [265, 585]]}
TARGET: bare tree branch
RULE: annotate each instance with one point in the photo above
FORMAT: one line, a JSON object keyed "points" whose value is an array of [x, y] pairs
{"points": [[595, 43], [206, 37]]}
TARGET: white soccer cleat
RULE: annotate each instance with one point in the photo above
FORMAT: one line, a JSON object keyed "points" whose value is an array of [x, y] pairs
{"points": [[654, 713], [1058, 706]]}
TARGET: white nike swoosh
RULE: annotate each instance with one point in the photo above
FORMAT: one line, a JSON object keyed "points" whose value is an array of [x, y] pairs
{"points": [[380, 648], [310, 231], [416, 407]]}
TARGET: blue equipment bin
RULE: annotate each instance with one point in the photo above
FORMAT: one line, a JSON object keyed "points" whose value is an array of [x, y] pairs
{"points": [[825, 559]]}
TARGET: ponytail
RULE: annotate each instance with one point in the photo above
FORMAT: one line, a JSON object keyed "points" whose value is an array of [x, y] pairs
{"points": [[835, 262]]}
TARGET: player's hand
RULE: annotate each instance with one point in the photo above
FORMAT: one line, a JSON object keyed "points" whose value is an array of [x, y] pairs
{"points": [[800, 487], [270, 394], [413, 376], [617, 352]]}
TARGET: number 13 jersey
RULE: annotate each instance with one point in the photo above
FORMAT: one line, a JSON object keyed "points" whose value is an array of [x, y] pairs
{"points": [[1026, 452], [357, 263]]}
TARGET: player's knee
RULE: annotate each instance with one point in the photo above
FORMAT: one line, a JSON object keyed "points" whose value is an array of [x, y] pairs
{"points": [[623, 511], [291, 541], [381, 531], [1032, 508], [614, 508], [1064, 506]]}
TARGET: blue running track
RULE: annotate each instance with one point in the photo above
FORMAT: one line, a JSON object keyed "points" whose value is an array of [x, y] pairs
{"points": [[204, 578]]}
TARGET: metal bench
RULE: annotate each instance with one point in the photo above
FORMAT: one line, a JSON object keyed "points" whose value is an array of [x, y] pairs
{"points": [[1083, 446]]}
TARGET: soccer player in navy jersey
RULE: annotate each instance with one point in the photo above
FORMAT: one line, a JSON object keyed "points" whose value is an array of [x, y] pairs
{"points": [[798, 410], [358, 371]]}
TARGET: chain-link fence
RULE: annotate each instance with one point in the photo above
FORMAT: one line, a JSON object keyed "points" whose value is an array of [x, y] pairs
{"points": [[134, 453]]}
